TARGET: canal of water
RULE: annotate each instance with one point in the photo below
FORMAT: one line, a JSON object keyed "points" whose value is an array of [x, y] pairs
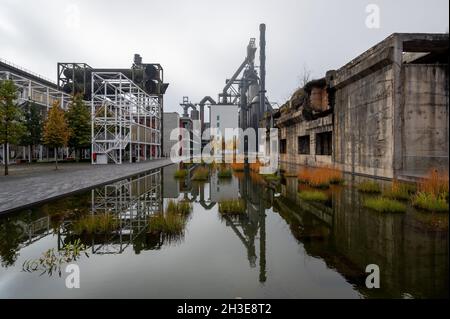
{"points": [[282, 247]]}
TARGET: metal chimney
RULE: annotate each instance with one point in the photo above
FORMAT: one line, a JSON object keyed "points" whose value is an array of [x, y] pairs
{"points": [[262, 70]]}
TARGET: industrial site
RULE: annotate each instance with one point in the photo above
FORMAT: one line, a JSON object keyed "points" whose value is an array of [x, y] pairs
{"points": [[123, 177]]}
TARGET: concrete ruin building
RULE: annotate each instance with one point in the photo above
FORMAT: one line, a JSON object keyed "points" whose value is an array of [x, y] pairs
{"points": [[383, 114]]}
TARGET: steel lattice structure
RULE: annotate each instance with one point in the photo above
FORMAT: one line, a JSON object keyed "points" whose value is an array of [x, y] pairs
{"points": [[131, 202], [30, 90], [126, 121]]}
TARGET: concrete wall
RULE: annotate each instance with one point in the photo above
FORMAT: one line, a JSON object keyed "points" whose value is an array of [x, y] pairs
{"points": [[170, 121], [425, 115], [363, 125], [292, 159]]}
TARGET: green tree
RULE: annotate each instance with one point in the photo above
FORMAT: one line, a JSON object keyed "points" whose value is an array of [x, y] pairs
{"points": [[56, 131], [33, 124], [11, 117], [79, 120]]}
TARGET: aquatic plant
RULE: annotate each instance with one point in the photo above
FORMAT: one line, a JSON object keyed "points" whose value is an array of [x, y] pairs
{"points": [[385, 205], [430, 202], [369, 187], [255, 166], [315, 196], [200, 174], [271, 177], [101, 223], [52, 259], [399, 190], [182, 207], [436, 183], [238, 167], [180, 173], [320, 177], [289, 174], [224, 173], [168, 224], [232, 206]]}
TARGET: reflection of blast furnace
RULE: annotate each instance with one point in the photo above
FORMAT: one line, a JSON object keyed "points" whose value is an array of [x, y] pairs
{"points": [[253, 194]]}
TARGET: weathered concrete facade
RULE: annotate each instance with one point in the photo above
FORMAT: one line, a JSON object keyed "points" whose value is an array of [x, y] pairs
{"points": [[386, 112]]}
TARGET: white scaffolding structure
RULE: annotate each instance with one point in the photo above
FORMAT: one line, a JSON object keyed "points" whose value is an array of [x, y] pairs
{"points": [[126, 121], [29, 90]]}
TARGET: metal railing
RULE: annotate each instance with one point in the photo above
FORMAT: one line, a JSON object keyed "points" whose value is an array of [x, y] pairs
{"points": [[26, 70]]}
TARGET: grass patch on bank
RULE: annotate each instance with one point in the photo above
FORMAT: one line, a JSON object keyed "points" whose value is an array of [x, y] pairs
{"points": [[313, 196], [369, 187], [201, 174], [180, 173], [430, 202], [385, 205], [232, 207]]}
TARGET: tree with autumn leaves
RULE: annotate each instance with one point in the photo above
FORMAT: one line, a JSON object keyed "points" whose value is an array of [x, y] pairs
{"points": [[56, 130]]}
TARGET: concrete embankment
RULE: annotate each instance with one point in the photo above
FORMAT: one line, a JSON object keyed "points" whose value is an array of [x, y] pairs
{"points": [[23, 190]]}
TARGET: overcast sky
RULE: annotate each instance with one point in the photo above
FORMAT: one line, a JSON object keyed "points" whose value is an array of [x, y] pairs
{"points": [[201, 43]]}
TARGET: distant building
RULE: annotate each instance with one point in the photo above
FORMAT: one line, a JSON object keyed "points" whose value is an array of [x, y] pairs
{"points": [[171, 121], [221, 118], [384, 114]]}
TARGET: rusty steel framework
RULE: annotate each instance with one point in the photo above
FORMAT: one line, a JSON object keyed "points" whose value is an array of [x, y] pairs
{"points": [[126, 121]]}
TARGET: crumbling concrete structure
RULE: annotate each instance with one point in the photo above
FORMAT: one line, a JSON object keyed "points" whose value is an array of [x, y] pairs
{"points": [[384, 114]]}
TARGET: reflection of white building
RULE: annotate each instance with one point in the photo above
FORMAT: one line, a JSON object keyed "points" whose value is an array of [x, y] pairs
{"points": [[222, 117]]}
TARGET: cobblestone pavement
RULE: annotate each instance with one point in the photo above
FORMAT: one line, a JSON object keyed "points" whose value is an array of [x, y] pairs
{"points": [[41, 182]]}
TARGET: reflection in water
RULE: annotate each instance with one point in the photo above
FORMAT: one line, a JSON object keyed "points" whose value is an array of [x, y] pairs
{"points": [[411, 249], [411, 252]]}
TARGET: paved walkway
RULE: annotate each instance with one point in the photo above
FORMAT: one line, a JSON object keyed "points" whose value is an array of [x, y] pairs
{"points": [[42, 183]]}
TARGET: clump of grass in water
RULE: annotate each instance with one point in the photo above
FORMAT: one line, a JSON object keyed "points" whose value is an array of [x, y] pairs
{"points": [[369, 187], [232, 206], [52, 260], [320, 177], [169, 224], [180, 173], [238, 167], [430, 202], [399, 190], [91, 224], [271, 177], [385, 205], [315, 196], [435, 183], [224, 173], [200, 174], [182, 207]]}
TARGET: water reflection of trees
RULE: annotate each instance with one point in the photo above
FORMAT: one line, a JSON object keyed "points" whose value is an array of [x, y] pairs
{"points": [[412, 254]]}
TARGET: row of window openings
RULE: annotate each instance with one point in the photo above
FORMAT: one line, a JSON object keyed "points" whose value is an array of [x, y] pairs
{"points": [[323, 144]]}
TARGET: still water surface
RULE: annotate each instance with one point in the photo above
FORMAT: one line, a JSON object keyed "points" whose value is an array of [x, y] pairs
{"points": [[282, 247]]}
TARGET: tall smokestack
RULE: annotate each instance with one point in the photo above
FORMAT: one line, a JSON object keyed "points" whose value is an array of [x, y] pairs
{"points": [[262, 70]]}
